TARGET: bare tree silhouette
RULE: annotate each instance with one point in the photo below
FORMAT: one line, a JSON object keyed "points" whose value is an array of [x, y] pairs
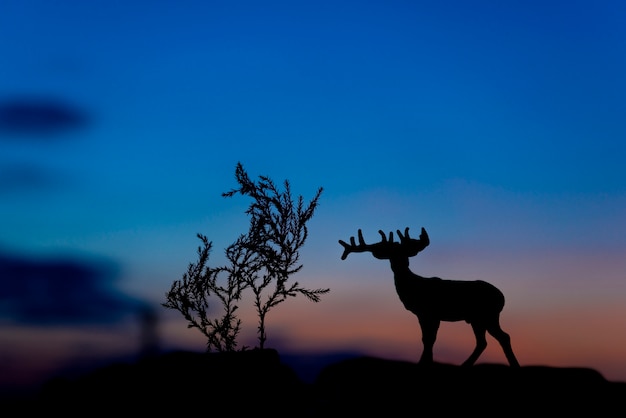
{"points": [[263, 260], [201, 284], [433, 299], [278, 230]]}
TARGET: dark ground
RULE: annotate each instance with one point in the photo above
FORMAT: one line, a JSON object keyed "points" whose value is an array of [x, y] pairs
{"points": [[258, 382]]}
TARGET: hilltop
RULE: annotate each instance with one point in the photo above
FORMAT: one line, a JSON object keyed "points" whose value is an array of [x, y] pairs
{"points": [[259, 382]]}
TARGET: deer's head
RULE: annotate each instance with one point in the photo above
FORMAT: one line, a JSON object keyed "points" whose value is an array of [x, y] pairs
{"points": [[387, 249]]}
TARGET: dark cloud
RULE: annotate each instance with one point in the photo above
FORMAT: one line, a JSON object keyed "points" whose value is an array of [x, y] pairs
{"points": [[60, 291], [39, 116]]}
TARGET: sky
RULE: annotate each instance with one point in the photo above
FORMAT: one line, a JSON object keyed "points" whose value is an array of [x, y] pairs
{"points": [[497, 126]]}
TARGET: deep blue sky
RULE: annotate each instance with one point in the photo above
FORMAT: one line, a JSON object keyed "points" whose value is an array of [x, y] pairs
{"points": [[498, 126]]}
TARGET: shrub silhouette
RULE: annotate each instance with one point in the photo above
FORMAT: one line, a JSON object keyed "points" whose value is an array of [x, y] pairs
{"points": [[267, 255], [190, 296]]}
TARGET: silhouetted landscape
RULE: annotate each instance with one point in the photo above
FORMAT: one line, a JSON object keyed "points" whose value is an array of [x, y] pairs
{"points": [[425, 199], [260, 382]]}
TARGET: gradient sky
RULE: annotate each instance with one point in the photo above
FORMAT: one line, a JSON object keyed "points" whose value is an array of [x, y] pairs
{"points": [[497, 126]]}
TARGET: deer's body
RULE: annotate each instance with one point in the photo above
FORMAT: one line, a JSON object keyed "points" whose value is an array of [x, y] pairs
{"points": [[448, 300], [433, 299]]}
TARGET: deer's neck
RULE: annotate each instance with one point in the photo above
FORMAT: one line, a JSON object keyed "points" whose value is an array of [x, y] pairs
{"points": [[399, 266], [410, 287], [401, 270]]}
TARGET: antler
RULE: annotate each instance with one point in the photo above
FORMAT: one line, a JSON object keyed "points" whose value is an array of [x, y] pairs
{"points": [[414, 246], [362, 246], [386, 248], [405, 237]]}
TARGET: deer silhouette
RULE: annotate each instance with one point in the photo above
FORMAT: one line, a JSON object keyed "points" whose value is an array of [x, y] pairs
{"points": [[433, 299]]}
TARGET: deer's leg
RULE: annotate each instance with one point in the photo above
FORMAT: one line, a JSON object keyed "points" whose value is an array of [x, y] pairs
{"points": [[505, 341], [429, 335], [481, 343]]}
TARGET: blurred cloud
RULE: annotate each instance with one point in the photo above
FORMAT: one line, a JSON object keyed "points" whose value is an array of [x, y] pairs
{"points": [[61, 291], [39, 116], [24, 177]]}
